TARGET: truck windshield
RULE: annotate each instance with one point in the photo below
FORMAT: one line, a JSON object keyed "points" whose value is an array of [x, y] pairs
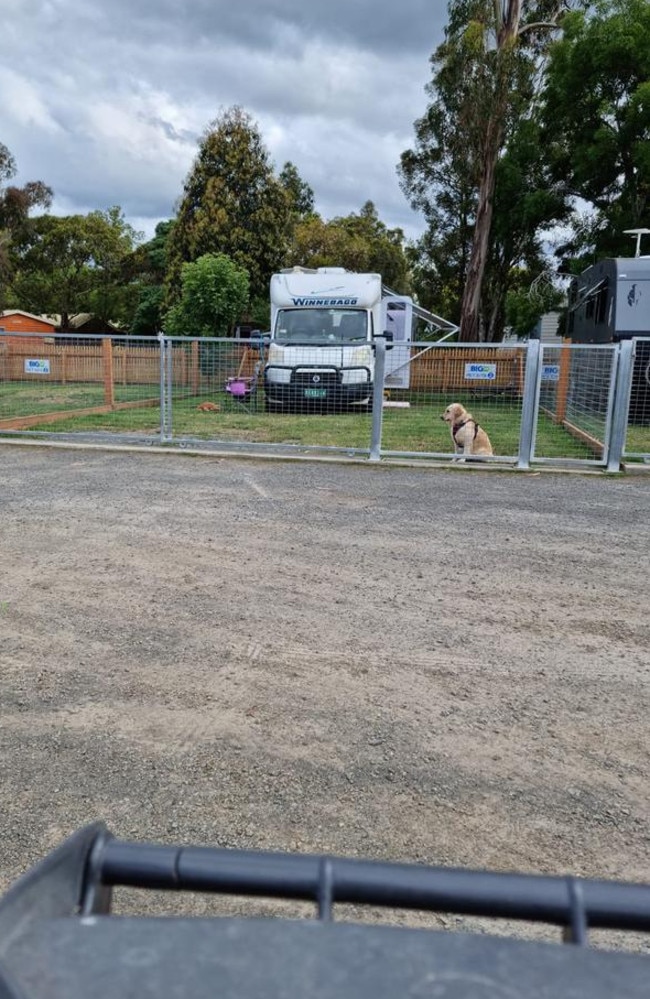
{"points": [[321, 325]]}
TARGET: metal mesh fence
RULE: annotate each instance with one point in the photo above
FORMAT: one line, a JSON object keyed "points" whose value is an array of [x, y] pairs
{"points": [[637, 442], [54, 384], [237, 391], [575, 398], [463, 400], [199, 392]]}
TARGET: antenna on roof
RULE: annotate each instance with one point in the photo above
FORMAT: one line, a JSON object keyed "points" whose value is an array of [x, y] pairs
{"points": [[638, 233]]}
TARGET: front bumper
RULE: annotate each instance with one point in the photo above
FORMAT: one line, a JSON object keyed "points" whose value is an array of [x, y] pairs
{"points": [[317, 387]]}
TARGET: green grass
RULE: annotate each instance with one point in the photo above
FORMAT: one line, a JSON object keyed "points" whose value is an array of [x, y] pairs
{"points": [[418, 429], [638, 439], [427, 432], [32, 398]]}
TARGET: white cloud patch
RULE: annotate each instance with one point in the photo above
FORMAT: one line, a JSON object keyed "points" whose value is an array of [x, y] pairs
{"points": [[24, 104], [114, 113]]}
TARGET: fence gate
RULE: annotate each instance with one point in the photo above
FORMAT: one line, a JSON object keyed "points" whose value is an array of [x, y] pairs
{"points": [[637, 436], [574, 403]]}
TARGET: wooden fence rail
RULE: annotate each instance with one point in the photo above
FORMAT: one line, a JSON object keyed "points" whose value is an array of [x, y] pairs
{"points": [[442, 370], [110, 363]]}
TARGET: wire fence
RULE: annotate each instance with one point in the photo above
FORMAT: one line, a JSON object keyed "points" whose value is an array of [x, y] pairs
{"points": [[49, 382], [575, 402], [458, 400], [637, 438], [236, 392], [518, 404]]}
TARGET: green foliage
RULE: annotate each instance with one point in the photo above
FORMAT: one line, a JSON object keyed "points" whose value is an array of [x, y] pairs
{"points": [[359, 242], [75, 264], [146, 270], [597, 119], [259, 313], [524, 307], [300, 194], [149, 260], [214, 294], [147, 318], [16, 203], [474, 170], [232, 204]]}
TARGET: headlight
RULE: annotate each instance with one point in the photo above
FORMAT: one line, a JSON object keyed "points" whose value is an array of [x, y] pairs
{"points": [[362, 355]]}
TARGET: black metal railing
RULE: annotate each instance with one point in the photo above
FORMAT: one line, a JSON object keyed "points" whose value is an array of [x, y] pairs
{"points": [[575, 904]]}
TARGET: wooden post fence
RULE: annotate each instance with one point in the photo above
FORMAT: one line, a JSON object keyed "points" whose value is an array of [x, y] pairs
{"points": [[107, 359]]}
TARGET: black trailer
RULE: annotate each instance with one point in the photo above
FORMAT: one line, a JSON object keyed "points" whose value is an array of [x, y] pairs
{"points": [[608, 302]]}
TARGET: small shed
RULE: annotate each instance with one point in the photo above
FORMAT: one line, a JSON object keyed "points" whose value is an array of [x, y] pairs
{"points": [[17, 321]]}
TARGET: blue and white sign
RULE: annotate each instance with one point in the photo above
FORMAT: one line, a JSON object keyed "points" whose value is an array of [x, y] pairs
{"points": [[484, 372], [550, 372], [36, 367]]}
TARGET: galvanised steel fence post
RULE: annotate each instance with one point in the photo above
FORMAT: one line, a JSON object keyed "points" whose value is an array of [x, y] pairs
{"points": [[161, 348], [165, 391], [169, 351], [530, 403], [378, 398], [620, 411]]}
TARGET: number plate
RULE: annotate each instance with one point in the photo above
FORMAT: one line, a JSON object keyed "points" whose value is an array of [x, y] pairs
{"points": [[315, 393]]}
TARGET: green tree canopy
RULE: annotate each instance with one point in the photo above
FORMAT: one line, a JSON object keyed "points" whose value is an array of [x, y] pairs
{"points": [[359, 242], [76, 264], [300, 194], [16, 203], [232, 204], [597, 118], [147, 267], [485, 77], [214, 294]]}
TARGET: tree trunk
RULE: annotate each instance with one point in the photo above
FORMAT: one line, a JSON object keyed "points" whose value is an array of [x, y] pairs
{"points": [[508, 15], [496, 327], [471, 303]]}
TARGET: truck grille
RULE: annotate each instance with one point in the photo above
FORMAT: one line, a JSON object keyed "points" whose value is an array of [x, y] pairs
{"points": [[316, 379]]}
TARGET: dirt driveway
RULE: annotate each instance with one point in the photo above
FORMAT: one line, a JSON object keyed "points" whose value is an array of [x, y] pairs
{"points": [[399, 663]]}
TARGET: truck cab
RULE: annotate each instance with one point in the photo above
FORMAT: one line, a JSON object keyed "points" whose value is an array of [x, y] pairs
{"points": [[320, 355]]}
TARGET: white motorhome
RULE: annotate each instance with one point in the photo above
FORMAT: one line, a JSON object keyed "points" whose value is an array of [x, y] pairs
{"points": [[323, 323]]}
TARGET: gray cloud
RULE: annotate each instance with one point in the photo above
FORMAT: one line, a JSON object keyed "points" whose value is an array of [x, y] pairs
{"points": [[106, 102], [257, 24]]}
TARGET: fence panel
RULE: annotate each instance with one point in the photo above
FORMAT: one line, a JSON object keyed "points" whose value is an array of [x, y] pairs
{"points": [[486, 379], [575, 396], [637, 441], [54, 384], [234, 391], [237, 393]]}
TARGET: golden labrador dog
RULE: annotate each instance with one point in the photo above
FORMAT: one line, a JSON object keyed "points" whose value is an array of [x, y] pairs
{"points": [[468, 437]]}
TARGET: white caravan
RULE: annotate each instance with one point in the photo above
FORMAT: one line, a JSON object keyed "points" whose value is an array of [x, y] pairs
{"points": [[323, 323]]}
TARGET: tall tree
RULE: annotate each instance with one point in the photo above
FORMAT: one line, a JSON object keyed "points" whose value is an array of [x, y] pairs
{"points": [[232, 204], [527, 203], [16, 203], [438, 177], [597, 116], [76, 264], [484, 84]]}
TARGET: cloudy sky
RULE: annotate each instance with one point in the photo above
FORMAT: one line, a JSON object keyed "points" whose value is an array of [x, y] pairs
{"points": [[105, 100]]}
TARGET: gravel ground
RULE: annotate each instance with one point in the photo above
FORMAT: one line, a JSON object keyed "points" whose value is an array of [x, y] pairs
{"points": [[437, 666]]}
